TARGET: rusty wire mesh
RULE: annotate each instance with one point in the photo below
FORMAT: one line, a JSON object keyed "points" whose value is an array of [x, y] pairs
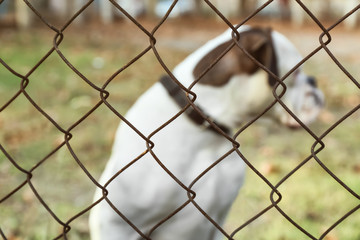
{"points": [[275, 197]]}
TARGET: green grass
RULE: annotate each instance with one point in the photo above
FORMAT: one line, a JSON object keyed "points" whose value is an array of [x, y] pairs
{"points": [[310, 196]]}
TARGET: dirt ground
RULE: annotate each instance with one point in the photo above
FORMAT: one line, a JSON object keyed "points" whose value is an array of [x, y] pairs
{"points": [[187, 33]]}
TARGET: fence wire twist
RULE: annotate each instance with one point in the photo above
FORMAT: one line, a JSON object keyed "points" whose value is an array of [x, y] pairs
{"points": [[275, 196]]}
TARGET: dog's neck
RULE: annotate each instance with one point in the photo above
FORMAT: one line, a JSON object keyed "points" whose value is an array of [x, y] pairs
{"points": [[236, 102], [201, 119]]}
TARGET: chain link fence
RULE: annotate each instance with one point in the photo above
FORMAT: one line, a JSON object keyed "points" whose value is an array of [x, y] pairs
{"points": [[29, 172]]}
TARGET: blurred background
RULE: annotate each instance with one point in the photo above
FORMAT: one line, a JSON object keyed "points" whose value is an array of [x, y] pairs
{"points": [[17, 13], [101, 43]]}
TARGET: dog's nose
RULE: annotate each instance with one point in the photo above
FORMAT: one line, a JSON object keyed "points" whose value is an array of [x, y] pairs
{"points": [[312, 81]]}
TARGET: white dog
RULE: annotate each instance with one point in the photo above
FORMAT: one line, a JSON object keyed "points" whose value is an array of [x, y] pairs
{"points": [[234, 90]]}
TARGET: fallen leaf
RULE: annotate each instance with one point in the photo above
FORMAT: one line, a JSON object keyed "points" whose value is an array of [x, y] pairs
{"points": [[267, 168]]}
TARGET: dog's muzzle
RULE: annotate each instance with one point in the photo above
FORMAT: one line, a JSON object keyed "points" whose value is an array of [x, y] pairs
{"points": [[305, 102]]}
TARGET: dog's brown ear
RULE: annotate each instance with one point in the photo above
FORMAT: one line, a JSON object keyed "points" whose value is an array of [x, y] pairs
{"points": [[254, 40], [257, 42], [222, 71], [262, 49]]}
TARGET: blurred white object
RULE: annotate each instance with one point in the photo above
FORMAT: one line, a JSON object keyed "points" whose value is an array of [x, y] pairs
{"points": [[98, 63], [320, 8], [134, 7], [181, 7]]}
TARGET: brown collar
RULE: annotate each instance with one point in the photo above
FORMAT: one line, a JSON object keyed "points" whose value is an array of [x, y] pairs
{"points": [[182, 101]]}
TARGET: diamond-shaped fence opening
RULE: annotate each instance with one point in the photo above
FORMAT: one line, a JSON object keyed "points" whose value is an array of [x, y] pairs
{"points": [[68, 80]]}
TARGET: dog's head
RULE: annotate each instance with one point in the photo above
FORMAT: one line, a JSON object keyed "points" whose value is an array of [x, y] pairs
{"points": [[302, 97], [236, 87]]}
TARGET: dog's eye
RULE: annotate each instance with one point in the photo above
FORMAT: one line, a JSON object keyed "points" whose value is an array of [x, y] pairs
{"points": [[312, 82]]}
